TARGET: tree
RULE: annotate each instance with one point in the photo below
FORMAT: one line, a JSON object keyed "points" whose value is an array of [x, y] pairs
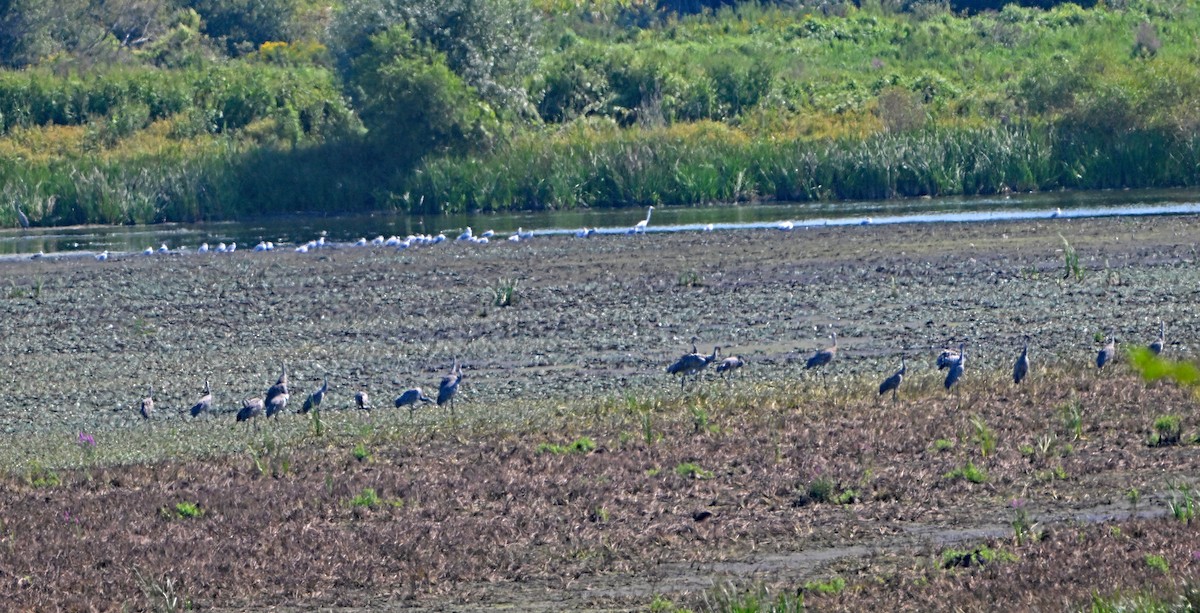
{"points": [[412, 103]]}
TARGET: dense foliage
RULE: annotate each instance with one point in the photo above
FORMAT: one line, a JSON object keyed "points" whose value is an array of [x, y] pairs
{"points": [[146, 110]]}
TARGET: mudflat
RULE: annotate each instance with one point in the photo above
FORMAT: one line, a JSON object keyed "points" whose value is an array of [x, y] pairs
{"points": [[574, 472]]}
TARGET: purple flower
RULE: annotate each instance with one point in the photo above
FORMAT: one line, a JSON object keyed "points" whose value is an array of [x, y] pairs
{"points": [[86, 440], [1018, 503], [1196, 556]]}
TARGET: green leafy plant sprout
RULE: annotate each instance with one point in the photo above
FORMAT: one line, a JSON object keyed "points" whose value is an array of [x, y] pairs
{"points": [[1182, 503], [984, 437], [980, 556], [1157, 562], [943, 444], [580, 445], [1071, 265], [1072, 416], [361, 453], [691, 470], [188, 510], [831, 587], [689, 278], [505, 293], [1168, 430], [367, 498], [970, 472]]}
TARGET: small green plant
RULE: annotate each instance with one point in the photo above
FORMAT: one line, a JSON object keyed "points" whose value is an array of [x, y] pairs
{"points": [[1072, 416], [832, 587], [847, 497], [648, 433], [701, 423], [40, 476], [984, 437], [943, 444], [505, 293], [689, 278], [315, 422], [1133, 496], [1045, 445], [1157, 562], [979, 556], [691, 470], [1022, 527], [821, 490], [662, 604], [1071, 265], [188, 510], [1168, 430], [360, 452], [599, 515], [970, 472], [1182, 503], [581, 445], [163, 595], [366, 498]]}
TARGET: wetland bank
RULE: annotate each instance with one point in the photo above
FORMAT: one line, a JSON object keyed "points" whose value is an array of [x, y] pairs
{"points": [[576, 474]]}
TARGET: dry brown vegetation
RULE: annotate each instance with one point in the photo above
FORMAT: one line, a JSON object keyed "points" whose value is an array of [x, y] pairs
{"points": [[577, 475]]}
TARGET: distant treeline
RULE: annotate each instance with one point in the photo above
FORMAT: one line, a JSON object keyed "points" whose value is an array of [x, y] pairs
{"points": [[137, 111]]}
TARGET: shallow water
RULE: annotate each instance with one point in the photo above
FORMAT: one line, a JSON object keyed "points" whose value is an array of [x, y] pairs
{"points": [[291, 231]]}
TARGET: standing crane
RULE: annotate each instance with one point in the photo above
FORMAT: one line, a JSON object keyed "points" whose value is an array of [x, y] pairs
{"points": [[692, 364], [730, 364], [892, 383], [362, 400], [251, 409], [1107, 352], [147, 408], [204, 405], [449, 386], [1157, 345], [277, 395], [314, 399], [1021, 367], [823, 357], [956, 369]]}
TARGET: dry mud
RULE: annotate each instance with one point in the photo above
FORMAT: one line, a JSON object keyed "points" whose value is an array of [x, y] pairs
{"points": [[473, 513]]}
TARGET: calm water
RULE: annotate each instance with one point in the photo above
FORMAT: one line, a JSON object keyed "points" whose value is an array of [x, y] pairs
{"points": [[287, 232]]}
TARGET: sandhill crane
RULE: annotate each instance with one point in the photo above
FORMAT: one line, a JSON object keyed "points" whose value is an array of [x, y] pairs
{"points": [[1021, 367], [823, 357], [362, 400], [410, 398], [314, 399], [449, 386], [251, 409], [640, 227], [692, 364], [148, 404], [204, 405], [730, 364], [1107, 352], [277, 395], [956, 369], [892, 383], [947, 358], [1157, 345]]}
